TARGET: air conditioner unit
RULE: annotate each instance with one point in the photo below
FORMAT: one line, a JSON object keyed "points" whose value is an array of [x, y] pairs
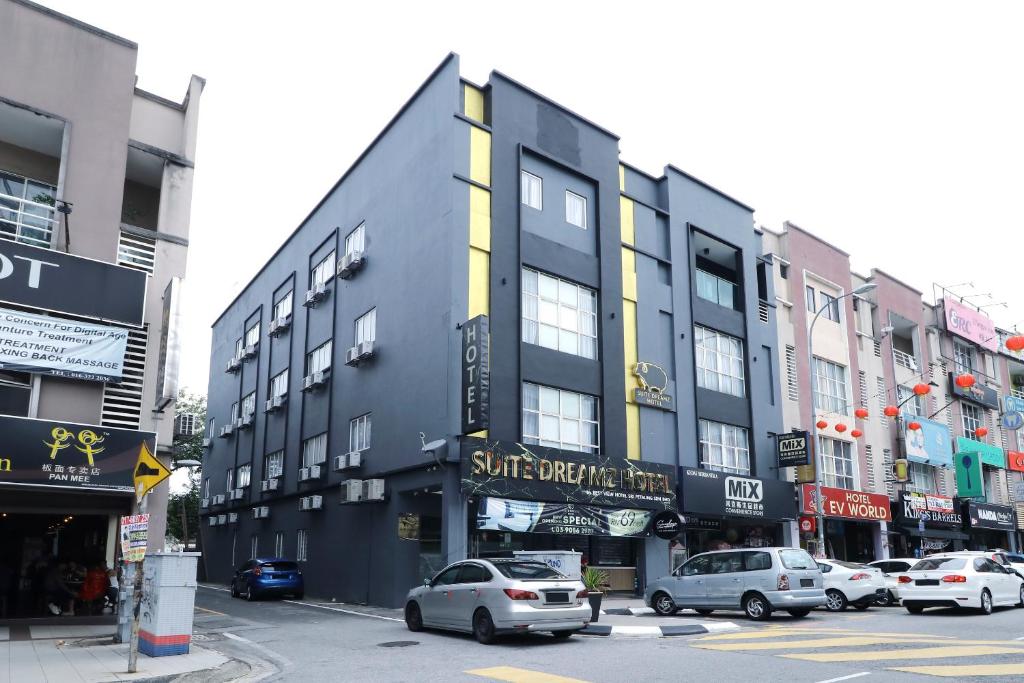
{"points": [[373, 489], [279, 325], [366, 350], [226, 430], [261, 512], [213, 520], [206, 442], [315, 379], [204, 503], [316, 294], [222, 519], [232, 518], [234, 364], [246, 421], [311, 502], [352, 356], [340, 462], [350, 263], [250, 351], [235, 494], [353, 459], [352, 491], [311, 472], [269, 485], [218, 499]]}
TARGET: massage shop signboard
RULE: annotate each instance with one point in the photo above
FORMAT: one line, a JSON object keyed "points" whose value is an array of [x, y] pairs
{"points": [[62, 348]]}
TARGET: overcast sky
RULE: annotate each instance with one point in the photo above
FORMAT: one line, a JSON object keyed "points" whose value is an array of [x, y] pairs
{"points": [[893, 130]]}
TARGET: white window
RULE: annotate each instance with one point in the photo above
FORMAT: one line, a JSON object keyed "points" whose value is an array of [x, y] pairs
{"points": [[234, 412], [963, 357], [254, 546], [234, 546], [830, 387], [283, 307], [921, 478], [243, 476], [314, 450], [206, 487], [322, 272], [359, 433], [836, 463], [576, 209], [252, 335], [366, 327], [971, 419], [356, 240], [229, 480], [279, 383], [715, 289], [239, 347], [830, 304], [719, 361], [724, 448], [319, 358], [812, 307], [559, 315], [302, 545], [914, 404], [212, 431], [273, 464], [249, 405], [532, 189], [560, 419], [279, 544]]}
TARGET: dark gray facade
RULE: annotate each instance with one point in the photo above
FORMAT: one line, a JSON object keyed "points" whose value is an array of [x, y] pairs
{"points": [[412, 192]]}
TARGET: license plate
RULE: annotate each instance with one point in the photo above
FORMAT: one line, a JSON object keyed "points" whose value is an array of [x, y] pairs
{"points": [[927, 582], [807, 583], [558, 597]]}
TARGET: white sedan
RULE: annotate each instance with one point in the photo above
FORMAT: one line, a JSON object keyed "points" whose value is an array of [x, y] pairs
{"points": [[960, 580], [849, 583], [891, 569]]}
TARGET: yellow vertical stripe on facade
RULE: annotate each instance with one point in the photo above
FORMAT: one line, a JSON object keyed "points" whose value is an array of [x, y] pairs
{"points": [[480, 155], [473, 102], [626, 220], [479, 218], [628, 274], [630, 353], [622, 178]]}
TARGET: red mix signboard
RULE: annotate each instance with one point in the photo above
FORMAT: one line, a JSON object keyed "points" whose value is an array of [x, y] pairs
{"points": [[847, 504]]}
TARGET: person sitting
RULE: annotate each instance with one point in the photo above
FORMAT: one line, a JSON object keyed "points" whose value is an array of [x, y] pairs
{"points": [[94, 587], [58, 595]]}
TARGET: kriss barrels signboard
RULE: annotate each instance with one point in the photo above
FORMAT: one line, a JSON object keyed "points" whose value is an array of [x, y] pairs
{"points": [[64, 348], [45, 453], [569, 519], [506, 469]]}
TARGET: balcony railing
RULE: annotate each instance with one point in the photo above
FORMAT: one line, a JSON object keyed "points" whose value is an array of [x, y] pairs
{"points": [[1017, 392], [26, 221], [715, 289], [904, 359]]}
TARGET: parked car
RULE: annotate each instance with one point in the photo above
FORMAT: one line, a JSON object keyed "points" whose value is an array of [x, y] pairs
{"points": [[891, 570], [850, 583], [495, 596], [757, 581], [960, 580], [1010, 560], [268, 576]]}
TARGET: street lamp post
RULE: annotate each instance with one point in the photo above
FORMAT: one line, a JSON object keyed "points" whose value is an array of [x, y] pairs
{"points": [[863, 289]]}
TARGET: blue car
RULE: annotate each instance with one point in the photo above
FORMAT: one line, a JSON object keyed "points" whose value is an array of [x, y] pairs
{"points": [[268, 576]]}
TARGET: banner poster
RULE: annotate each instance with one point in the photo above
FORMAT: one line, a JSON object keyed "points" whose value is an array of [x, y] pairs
{"points": [[134, 536], [63, 348], [570, 519]]}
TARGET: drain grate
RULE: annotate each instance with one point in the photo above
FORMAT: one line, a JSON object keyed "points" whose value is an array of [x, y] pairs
{"points": [[399, 643]]}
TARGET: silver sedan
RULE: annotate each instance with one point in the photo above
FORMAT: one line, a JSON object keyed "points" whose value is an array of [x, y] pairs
{"points": [[491, 597]]}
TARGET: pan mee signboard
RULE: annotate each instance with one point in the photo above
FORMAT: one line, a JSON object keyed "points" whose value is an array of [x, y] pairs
{"points": [[506, 469], [69, 455]]}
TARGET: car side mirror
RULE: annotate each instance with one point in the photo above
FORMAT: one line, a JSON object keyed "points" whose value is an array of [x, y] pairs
{"points": [[428, 583]]}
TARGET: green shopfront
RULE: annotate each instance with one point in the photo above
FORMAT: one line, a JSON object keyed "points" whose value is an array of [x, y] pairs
{"points": [[988, 523]]}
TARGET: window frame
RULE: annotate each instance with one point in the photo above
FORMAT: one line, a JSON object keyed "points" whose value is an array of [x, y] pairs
{"points": [[252, 335], [920, 478], [738, 453], [962, 351], [365, 422], [718, 282], [702, 353], [319, 352], [357, 234], [287, 299], [278, 544], [523, 195], [965, 419], [583, 200], [829, 307], [254, 546], [279, 384], [836, 399], [322, 269], [243, 475], [359, 327], [544, 417], [248, 405], [811, 298], [314, 455], [301, 545], [833, 477], [533, 330], [273, 462]]}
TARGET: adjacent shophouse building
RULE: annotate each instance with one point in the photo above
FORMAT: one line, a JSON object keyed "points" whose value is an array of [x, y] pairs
{"points": [[493, 336], [95, 193]]}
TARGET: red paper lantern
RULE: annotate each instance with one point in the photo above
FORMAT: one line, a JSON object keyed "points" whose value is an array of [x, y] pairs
{"points": [[862, 413], [921, 389], [1015, 343], [840, 428], [965, 381], [822, 424], [981, 432], [891, 411], [856, 433], [914, 426]]}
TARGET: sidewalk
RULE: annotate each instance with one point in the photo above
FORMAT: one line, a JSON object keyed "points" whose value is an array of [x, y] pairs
{"points": [[86, 654]]}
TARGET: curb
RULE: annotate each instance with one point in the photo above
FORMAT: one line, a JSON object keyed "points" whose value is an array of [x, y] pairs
{"points": [[628, 611], [656, 631]]}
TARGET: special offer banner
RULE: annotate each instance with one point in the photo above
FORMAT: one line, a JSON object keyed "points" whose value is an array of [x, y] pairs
{"points": [[532, 516], [64, 348]]}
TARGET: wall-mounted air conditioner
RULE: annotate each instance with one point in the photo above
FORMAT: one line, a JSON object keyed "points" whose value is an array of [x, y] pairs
{"points": [[311, 502], [222, 519], [352, 491], [250, 351], [207, 442], [279, 325], [218, 499], [213, 520], [360, 353], [276, 402], [232, 518], [373, 489], [316, 294], [234, 364], [246, 421], [227, 430], [204, 503], [316, 379], [347, 461], [269, 484], [350, 263], [236, 494], [261, 512], [310, 473]]}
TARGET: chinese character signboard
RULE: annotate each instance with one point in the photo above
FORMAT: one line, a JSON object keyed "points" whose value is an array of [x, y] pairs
{"points": [[706, 492], [794, 449], [47, 453]]}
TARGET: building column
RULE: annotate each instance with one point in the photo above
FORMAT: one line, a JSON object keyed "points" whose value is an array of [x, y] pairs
{"points": [[454, 518], [880, 534], [655, 561], [791, 534]]}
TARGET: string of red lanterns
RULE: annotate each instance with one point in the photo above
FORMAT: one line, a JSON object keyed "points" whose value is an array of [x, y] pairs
{"points": [[981, 432], [1015, 343], [965, 381]]}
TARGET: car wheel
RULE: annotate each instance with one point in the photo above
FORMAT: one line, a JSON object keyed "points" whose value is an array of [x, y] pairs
{"points": [[986, 602], [886, 600], [913, 609], [756, 607], [835, 601], [483, 627], [1021, 602], [861, 606], [249, 595], [704, 612], [663, 604], [799, 613], [234, 590], [561, 635], [413, 617]]}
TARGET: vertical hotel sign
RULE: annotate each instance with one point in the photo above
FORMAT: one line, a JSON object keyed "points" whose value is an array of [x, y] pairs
{"points": [[476, 375]]}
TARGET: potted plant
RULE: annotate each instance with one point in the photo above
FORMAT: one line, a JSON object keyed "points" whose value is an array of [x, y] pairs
{"points": [[595, 581]]}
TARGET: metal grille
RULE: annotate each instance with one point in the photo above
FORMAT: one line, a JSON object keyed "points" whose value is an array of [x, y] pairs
{"points": [[890, 485], [186, 424], [869, 458], [791, 385], [122, 403], [136, 252], [940, 481], [762, 311], [862, 382], [883, 399], [945, 397], [878, 349]]}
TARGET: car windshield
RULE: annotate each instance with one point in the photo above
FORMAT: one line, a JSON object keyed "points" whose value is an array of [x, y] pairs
{"points": [[849, 565], [797, 559], [527, 570], [939, 563], [279, 566]]}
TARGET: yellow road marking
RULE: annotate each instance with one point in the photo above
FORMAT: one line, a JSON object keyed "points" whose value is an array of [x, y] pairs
{"points": [[817, 642], [783, 632], [958, 671], [203, 609], [920, 653], [515, 675]]}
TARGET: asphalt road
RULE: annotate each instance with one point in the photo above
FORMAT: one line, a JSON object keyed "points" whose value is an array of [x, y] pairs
{"points": [[287, 641]]}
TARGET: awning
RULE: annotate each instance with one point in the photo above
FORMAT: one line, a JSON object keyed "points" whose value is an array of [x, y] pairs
{"points": [[948, 534]]}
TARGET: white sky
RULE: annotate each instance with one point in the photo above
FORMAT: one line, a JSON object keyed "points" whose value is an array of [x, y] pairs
{"points": [[893, 130]]}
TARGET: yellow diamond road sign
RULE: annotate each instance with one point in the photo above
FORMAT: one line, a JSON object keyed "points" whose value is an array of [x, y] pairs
{"points": [[148, 472]]}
